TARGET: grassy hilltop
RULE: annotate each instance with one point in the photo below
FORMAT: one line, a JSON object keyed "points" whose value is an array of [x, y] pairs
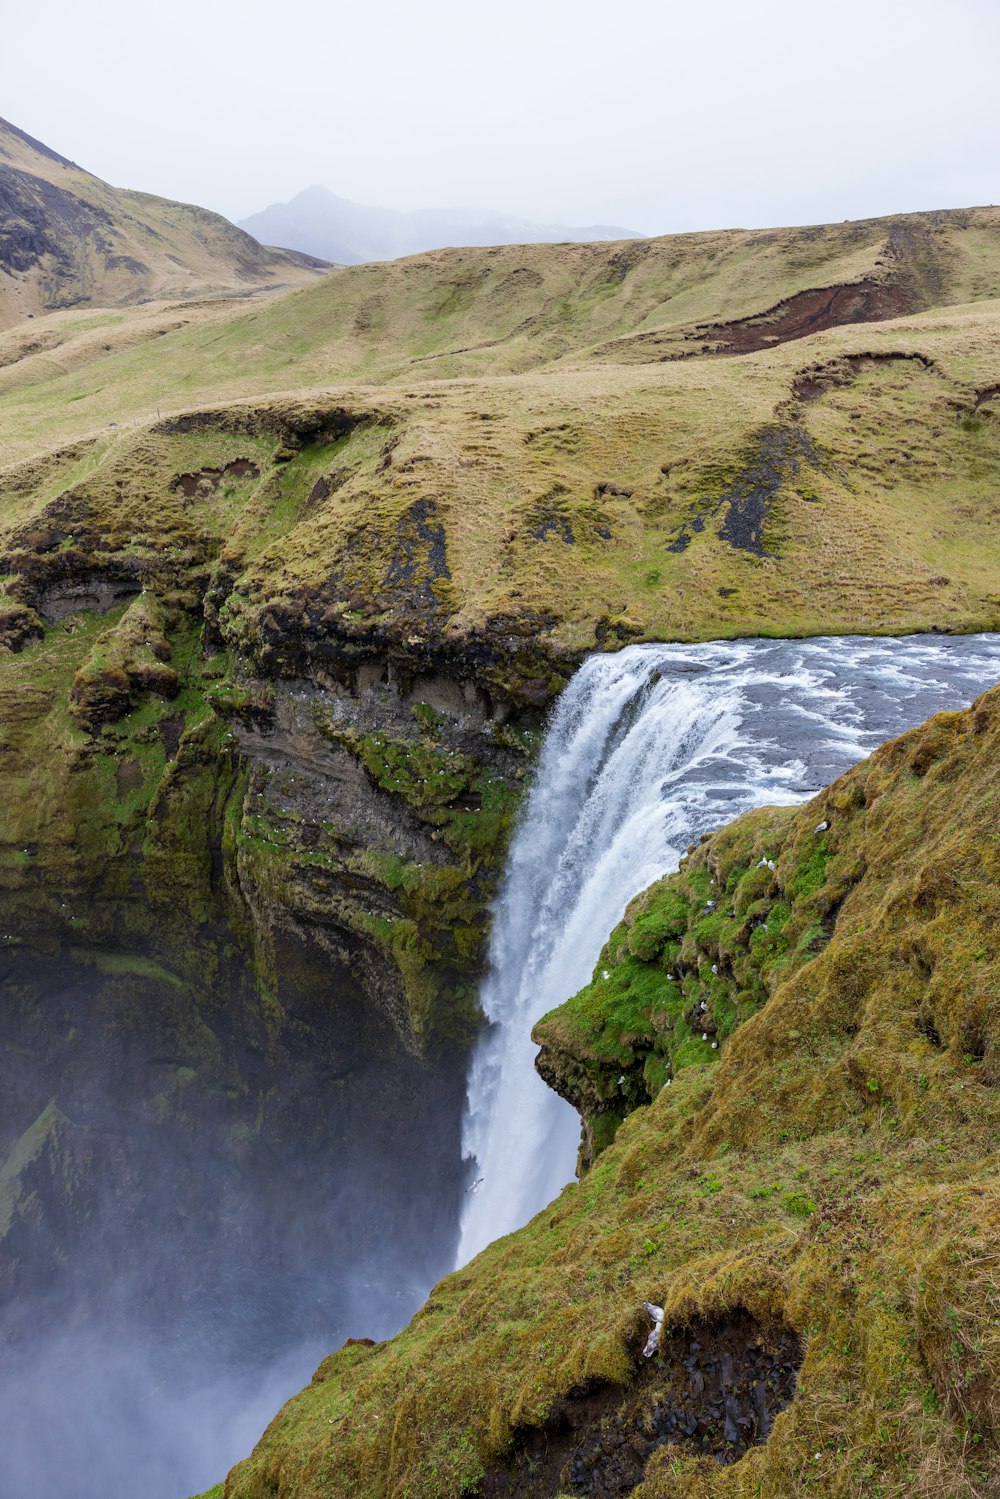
{"points": [[704, 435]]}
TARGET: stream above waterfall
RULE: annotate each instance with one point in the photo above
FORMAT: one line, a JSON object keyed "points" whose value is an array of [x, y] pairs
{"points": [[646, 750]]}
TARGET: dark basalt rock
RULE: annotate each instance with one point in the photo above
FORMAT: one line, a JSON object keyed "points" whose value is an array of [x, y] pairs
{"points": [[744, 501], [715, 1388]]}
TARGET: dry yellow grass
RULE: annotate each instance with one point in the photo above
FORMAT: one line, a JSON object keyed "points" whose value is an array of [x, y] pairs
{"points": [[585, 458], [71, 240], [576, 491]]}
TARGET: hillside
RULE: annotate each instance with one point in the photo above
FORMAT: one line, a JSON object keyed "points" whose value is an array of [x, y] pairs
{"points": [[67, 239], [444, 479], [320, 223], [720, 434], [515, 310], [815, 1205]]}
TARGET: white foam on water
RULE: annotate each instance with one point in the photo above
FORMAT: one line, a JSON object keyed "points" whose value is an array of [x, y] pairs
{"points": [[647, 749]]}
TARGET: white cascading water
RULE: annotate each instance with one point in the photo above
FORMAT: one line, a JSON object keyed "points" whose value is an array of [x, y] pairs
{"points": [[646, 750]]}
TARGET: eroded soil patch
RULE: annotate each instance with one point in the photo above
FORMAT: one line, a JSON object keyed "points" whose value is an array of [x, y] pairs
{"points": [[715, 1388], [809, 384], [207, 480], [805, 313]]}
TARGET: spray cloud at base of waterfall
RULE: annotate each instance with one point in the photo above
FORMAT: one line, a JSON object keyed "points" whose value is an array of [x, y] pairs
{"points": [[646, 750], [172, 1276]]}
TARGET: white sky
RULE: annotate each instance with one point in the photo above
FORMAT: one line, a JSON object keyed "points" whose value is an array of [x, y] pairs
{"points": [[656, 117]]}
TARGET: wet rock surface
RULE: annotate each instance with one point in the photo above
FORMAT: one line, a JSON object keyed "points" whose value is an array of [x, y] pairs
{"points": [[716, 1389]]}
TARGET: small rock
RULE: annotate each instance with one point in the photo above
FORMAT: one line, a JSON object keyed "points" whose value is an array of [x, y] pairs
{"points": [[653, 1341]]}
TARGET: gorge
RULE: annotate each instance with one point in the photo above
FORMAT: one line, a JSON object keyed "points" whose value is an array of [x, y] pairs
{"points": [[813, 1204], [187, 1300], [400, 649]]}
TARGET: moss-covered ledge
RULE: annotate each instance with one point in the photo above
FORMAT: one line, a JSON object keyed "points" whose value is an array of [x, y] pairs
{"points": [[694, 956], [698, 953]]}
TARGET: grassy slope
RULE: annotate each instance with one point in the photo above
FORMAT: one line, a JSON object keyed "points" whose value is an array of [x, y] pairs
{"points": [[104, 246], [487, 312], [835, 1168], [567, 489], [566, 458]]}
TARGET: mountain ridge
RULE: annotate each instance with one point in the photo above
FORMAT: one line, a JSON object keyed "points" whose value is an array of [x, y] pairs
{"points": [[68, 239], [320, 222]]}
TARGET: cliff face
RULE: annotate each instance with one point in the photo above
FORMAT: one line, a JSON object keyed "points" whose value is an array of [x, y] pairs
{"points": [[794, 1043], [246, 846]]}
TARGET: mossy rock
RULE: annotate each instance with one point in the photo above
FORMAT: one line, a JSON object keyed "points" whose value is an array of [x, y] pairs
{"points": [[128, 662]]}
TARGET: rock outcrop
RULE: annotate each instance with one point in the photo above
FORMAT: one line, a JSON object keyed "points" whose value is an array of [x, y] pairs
{"points": [[247, 843]]}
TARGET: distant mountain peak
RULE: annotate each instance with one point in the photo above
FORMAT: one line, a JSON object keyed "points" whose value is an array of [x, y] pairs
{"points": [[319, 222]]}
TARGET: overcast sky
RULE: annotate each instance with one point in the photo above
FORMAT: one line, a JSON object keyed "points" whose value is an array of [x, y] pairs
{"points": [[656, 117]]}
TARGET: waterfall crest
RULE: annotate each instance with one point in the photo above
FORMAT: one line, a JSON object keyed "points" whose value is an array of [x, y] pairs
{"points": [[646, 750]]}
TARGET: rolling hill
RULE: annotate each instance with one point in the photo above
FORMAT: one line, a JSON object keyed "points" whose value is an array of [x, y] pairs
{"points": [[787, 431]]}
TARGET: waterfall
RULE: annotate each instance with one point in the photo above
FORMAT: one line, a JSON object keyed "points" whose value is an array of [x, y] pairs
{"points": [[646, 750]]}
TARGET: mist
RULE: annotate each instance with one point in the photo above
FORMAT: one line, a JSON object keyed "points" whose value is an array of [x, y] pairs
{"points": [[90, 1418], [658, 118], [173, 1272]]}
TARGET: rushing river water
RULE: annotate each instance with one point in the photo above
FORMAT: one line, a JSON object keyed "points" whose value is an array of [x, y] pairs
{"points": [[647, 749]]}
